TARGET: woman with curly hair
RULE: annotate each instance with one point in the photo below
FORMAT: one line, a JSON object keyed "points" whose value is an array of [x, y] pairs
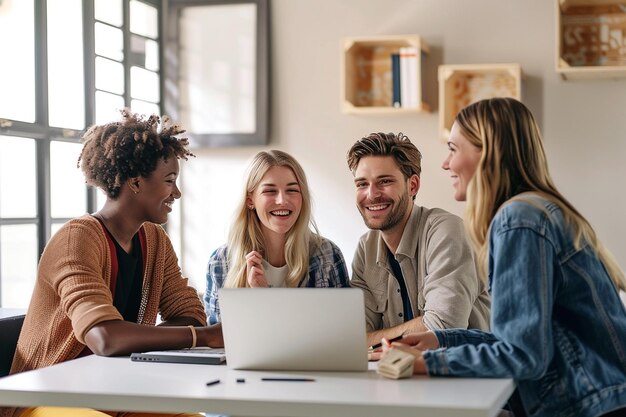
{"points": [[104, 277], [273, 241]]}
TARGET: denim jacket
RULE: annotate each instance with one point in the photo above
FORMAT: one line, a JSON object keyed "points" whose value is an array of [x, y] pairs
{"points": [[558, 325]]}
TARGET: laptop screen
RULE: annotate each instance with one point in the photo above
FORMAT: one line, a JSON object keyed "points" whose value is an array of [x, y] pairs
{"points": [[299, 329]]}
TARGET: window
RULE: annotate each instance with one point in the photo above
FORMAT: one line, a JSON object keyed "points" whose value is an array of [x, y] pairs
{"points": [[219, 85], [93, 58]]}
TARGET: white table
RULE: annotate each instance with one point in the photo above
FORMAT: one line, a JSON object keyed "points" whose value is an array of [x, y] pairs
{"points": [[119, 384]]}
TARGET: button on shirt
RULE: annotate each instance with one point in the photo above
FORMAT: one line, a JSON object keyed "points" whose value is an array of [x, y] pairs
{"points": [[438, 269], [402, 291]]}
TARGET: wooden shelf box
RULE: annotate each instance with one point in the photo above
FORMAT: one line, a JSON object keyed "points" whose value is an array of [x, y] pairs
{"points": [[366, 79], [461, 85], [591, 39]]}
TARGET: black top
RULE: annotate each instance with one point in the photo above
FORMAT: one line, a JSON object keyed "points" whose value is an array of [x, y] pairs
{"points": [[127, 296], [397, 272]]}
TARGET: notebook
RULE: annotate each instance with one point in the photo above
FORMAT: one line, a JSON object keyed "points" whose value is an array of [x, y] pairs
{"points": [[198, 355], [297, 329]]}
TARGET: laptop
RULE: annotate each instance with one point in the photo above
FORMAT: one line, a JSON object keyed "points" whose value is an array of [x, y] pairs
{"points": [[294, 329], [198, 355]]}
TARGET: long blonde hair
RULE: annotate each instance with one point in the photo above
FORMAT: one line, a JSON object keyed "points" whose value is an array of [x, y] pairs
{"points": [[246, 234], [512, 162]]}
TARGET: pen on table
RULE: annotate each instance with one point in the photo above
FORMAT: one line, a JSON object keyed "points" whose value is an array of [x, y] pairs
{"points": [[289, 379], [215, 381], [378, 345]]}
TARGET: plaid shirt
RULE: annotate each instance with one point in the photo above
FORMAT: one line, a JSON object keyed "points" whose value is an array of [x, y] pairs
{"points": [[327, 268]]}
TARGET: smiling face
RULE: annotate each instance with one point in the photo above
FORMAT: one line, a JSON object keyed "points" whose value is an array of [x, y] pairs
{"points": [[383, 196], [157, 192], [277, 201], [461, 162]]}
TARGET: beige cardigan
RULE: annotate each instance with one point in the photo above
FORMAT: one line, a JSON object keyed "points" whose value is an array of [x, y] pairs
{"points": [[439, 271], [72, 292]]}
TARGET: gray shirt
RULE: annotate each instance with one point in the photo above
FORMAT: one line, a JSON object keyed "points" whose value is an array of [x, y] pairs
{"points": [[439, 271]]}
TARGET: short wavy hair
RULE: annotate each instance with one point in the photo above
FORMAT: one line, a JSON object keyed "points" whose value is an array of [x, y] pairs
{"points": [[399, 146], [114, 152]]}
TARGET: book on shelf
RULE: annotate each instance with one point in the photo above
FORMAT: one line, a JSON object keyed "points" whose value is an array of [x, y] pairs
{"points": [[395, 80], [408, 77]]}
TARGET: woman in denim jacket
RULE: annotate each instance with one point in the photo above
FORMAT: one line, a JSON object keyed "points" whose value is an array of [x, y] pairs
{"points": [[558, 326]]}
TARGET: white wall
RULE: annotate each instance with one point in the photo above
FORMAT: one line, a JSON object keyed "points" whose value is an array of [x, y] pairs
{"points": [[584, 122]]}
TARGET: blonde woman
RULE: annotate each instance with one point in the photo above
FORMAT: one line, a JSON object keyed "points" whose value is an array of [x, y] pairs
{"points": [[558, 326], [273, 241]]}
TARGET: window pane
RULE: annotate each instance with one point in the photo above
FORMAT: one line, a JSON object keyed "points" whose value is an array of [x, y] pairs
{"points": [[109, 41], [217, 81], [109, 11], [18, 187], [101, 198], [143, 107], [17, 80], [67, 183], [18, 261], [145, 52], [108, 107], [54, 227], [144, 84], [109, 75], [143, 19], [66, 87]]}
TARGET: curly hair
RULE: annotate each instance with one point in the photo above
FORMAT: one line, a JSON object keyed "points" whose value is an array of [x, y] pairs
{"points": [[114, 152]]}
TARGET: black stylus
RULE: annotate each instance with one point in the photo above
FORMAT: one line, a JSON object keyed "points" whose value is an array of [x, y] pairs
{"points": [[378, 345], [288, 379]]}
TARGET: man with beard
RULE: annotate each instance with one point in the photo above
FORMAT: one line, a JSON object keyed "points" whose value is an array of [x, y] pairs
{"points": [[415, 265]]}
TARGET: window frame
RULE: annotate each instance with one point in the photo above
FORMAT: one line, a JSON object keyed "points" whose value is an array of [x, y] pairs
{"points": [[44, 134], [262, 80]]}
